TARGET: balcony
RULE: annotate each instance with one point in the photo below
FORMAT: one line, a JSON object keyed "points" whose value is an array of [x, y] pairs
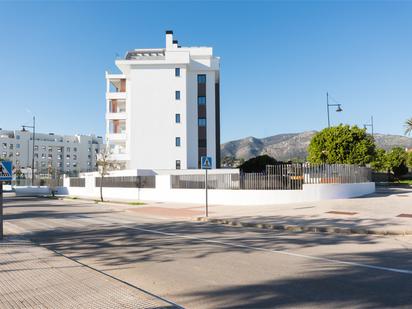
{"points": [[113, 137], [116, 95], [114, 116]]}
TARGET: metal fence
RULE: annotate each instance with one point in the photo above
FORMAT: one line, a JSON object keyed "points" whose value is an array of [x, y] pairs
{"points": [[52, 182], [77, 182], [277, 177], [127, 182]]}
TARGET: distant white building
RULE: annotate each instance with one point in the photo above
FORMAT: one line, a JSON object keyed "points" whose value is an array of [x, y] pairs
{"points": [[163, 110], [65, 154]]}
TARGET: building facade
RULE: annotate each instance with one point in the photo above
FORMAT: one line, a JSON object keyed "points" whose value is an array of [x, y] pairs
{"points": [[163, 110], [62, 153]]}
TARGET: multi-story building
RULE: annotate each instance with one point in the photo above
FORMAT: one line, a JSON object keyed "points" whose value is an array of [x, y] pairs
{"points": [[65, 154], [163, 109]]}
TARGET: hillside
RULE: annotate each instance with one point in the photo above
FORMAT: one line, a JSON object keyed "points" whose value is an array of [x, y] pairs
{"points": [[293, 145]]}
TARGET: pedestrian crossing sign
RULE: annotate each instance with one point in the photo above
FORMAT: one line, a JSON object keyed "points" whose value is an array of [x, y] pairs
{"points": [[206, 162], [5, 171]]}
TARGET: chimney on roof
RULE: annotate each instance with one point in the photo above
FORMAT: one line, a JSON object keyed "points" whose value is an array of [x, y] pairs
{"points": [[169, 39], [175, 42]]}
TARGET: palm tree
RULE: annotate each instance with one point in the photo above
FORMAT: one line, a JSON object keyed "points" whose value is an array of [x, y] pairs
{"points": [[408, 126]]}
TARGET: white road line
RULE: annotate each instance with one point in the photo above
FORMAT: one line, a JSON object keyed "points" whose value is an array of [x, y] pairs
{"points": [[390, 269]]}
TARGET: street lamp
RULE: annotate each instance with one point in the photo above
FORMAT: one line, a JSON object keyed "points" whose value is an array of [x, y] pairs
{"points": [[338, 109], [369, 125], [34, 138]]}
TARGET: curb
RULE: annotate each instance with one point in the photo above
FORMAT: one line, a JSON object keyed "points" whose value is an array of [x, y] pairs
{"points": [[300, 228]]}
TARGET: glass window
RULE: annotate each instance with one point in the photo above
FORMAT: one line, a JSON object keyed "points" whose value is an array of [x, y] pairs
{"points": [[68, 149], [202, 122], [17, 146], [177, 95], [177, 71], [177, 118], [178, 164], [11, 146], [17, 136], [201, 79], [5, 145], [202, 143], [36, 148], [17, 154], [43, 147], [75, 149], [50, 149], [201, 100], [177, 141]]}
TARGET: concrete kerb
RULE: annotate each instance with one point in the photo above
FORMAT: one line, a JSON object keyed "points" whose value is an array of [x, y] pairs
{"points": [[301, 228]]}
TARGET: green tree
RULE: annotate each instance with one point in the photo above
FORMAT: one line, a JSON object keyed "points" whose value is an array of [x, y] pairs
{"points": [[396, 161], [380, 163], [257, 164], [408, 126], [342, 144], [409, 159]]}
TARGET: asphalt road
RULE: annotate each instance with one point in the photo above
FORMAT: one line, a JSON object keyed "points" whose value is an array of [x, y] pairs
{"points": [[202, 265]]}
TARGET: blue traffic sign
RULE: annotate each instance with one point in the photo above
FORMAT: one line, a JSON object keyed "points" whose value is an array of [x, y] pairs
{"points": [[206, 162], [6, 172]]}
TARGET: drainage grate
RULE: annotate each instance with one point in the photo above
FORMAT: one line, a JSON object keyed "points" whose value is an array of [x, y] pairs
{"points": [[341, 213], [405, 216]]}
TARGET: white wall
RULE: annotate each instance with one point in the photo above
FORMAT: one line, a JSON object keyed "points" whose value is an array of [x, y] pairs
{"points": [[164, 193]]}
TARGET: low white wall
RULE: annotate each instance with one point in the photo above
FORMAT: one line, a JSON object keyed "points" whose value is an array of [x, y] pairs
{"points": [[164, 193], [30, 191]]}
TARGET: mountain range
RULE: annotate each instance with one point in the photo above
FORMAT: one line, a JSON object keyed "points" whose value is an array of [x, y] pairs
{"points": [[290, 146]]}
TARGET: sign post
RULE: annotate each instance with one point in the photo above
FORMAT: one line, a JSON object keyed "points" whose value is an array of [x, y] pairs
{"points": [[5, 175], [206, 164]]}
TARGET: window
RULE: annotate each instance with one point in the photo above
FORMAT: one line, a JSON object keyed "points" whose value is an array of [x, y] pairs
{"points": [[43, 147], [177, 118], [50, 156], [75, 149], [177, 71], [4, 154], [17, 146], [17, 154], [17, 136], [59, 149], [50, 149], [177, 95], [74, 164], [68, 156], [68, 149], [74, 157], [178, 164], [59, 157], [202, 143], [177, 141], [43, 164], [43, 156], [11, 146], [201, 79], [36, 148], [5, 145], [201, 100], [202, 122], [36, 155]]}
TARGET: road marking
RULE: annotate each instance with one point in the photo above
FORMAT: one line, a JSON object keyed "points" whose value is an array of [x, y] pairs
{"points": [[283, 252]]}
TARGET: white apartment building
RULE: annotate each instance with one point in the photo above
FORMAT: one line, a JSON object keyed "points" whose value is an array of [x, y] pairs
{"points": [[65, 154], [163, 110]]}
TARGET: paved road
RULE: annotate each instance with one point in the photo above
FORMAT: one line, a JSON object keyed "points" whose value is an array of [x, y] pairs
{"points": [[201, 265]]}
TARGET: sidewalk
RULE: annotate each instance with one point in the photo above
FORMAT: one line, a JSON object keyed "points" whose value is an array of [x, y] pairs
{"points": [[32, 276], [387, 212]]}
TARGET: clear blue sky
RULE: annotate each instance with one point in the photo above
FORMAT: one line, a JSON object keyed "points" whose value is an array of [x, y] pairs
{"points": [[277, 60]]}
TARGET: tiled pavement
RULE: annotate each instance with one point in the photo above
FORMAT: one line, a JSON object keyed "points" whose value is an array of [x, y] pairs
{"points": [[32, 276]]}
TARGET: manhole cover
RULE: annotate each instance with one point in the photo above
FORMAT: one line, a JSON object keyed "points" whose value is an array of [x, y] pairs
{"points": [[405, 215], [348, 213]]}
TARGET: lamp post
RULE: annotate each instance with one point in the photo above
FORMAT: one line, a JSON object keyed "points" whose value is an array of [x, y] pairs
{"points": [[369, 125], [338, 109], [34, 138]]}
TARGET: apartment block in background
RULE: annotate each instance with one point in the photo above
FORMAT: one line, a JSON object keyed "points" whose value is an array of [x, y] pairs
{"points": [[163, 109], [63, 153]]}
